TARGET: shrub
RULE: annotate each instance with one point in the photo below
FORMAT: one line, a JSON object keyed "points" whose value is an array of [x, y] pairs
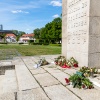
{"points": [[3, 43], [31, 42], [21, 43]]}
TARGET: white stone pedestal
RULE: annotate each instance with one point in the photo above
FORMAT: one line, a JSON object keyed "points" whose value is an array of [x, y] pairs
{"points": [[81, 31]]}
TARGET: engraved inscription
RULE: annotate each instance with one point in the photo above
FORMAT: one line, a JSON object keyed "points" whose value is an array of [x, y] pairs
{"points": [[77, 21]]}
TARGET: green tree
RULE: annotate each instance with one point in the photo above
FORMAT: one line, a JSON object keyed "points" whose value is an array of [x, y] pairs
{"points": [[42, 33], [15, 32], [21, 33], [57, 23], [37, 33], [51, 32]]}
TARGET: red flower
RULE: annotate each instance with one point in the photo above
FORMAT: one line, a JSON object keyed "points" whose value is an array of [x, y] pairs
{"points": [[67, 80], [65, 66], [75, 65], [68, 66], [83, 86]]}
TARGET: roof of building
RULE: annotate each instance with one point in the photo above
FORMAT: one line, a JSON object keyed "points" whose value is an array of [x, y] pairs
{"points": [[28, 35], [9, 35]]}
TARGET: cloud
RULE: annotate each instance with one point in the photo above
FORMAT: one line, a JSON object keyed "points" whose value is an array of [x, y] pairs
{"points": [[56, 3], [55, 16], [11, 5], [27, 29], [18, 11]]}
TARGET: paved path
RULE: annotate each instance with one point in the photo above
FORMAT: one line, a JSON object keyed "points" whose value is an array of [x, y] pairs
{"points": [[44, 83]]}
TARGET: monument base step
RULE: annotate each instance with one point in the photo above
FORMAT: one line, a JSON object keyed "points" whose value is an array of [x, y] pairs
{"points": [[9, 82]]}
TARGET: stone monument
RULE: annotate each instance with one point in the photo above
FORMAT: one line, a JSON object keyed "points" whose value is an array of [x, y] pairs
{"points": [[81, 31]]}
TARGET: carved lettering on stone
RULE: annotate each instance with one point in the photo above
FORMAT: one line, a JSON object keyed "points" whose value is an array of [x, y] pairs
{"points": [[76, 20]]}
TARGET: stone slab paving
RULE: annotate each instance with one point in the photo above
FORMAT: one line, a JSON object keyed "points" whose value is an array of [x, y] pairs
{"points": [[95, 79], [46, 79], [59, 92], [70, 71], [96, 82], [36, 58], [88, 94], [17, 61], [52, 70], [34, 94], [51, 65], [61, 77], [10, 82], [25, 78], [50, 56], [51, 79], [38, 71], [7, 96], [29, 63], [60, 68]]}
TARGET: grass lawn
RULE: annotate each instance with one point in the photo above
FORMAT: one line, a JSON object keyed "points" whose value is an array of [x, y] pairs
{"points": [[31, 50]]}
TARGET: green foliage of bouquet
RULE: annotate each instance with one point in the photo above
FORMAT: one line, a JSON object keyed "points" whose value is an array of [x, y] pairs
{"points": [[80, 81]]}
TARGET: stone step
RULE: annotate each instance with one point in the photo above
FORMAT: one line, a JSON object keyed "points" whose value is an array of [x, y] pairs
{"points": [[7, 67], [38, 71], [52, 70], [29, 63], [61, 77], [7, 96], [4, 63], [34, 94], [46, 79], [25, 79], [85, 94], [59, 92], [1, 83], [10, 82]]}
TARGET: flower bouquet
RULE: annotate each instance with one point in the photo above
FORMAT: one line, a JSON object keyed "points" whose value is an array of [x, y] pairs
{"points": [[57, 59], [73, 62], [79, 81], [60, 61], [44, 62], [88, 72]]}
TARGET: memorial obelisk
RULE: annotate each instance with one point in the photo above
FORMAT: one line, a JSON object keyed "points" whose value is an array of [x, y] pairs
{"points": [[81, 31]]}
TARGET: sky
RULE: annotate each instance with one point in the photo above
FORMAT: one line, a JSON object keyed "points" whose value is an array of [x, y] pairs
{"points": [[27, 15]]}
